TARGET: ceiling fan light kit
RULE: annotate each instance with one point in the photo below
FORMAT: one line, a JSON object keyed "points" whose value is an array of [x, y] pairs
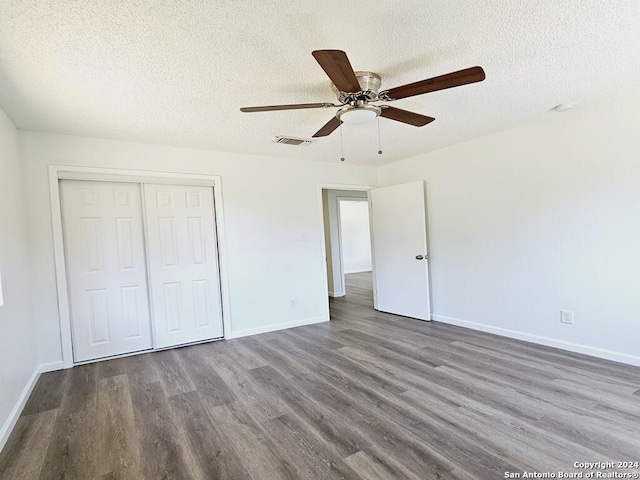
{"points": [[358, 114], [356, 91]]}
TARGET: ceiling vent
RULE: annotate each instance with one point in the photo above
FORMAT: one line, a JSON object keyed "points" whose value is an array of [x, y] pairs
{"points": [[301, 142]]}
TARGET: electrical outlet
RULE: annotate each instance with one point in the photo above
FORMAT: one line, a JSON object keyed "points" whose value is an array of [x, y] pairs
{"points": [[566, 317], [293, 303]]}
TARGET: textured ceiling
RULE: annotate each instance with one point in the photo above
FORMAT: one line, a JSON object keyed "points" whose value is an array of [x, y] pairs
{"points": [[176, 72]]}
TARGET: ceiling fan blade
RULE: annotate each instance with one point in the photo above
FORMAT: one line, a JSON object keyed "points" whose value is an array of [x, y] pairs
{"points": [[405, 116], [328, 128], [338, 68], [454, 79], [295, 106]]}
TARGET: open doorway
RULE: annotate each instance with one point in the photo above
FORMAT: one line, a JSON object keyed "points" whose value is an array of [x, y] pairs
{"points": [[399, 279], [348, 245], [355, 247]]}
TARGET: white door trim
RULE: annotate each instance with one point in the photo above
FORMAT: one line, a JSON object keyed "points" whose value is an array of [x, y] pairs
{"points": [[332, 186], [63, 172]]}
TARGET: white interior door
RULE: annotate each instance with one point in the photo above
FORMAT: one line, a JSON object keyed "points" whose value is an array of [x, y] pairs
{"points": [[104, 250], [183, 264], [399, 238]]}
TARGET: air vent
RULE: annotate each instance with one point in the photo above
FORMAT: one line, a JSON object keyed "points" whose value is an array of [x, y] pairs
{"points": [[302, 142]]}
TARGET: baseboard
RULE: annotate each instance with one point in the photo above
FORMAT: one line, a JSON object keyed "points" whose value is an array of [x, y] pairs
{"points": [[11, 421], [278, 326], [546, 341], [336, 294], [51, 367], [357, 271]]}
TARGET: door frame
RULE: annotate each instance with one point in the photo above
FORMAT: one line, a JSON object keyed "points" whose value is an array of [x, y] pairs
{"points": [[64, 172], [333, 186]]}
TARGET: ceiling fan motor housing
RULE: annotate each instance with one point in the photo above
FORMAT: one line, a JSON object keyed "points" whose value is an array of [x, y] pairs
{"points": [[369, 86]]}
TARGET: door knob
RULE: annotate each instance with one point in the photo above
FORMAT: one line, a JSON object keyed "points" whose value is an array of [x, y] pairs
{"points": [[419, 257]]}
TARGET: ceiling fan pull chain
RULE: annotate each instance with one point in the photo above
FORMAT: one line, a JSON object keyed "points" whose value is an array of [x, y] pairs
{"points": [[379, 147], [341, 145]]}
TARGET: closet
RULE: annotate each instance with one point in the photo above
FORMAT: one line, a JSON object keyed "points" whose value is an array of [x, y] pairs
{"points": [[142, 266]]}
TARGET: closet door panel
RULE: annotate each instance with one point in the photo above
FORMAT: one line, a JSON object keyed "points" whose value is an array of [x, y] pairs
{"points": [[183, 264], [106, 268]]}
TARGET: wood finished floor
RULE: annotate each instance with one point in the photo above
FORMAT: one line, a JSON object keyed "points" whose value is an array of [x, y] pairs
{"points": [[366, 396]]}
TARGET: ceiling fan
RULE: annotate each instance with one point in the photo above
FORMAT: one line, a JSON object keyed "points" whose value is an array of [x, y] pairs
{"points": [[356, 92]]}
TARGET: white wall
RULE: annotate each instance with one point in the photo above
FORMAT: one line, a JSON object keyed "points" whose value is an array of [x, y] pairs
{"points": [[356, 237], [544, 217], [268, 203], [333, 245], [18, 360]]}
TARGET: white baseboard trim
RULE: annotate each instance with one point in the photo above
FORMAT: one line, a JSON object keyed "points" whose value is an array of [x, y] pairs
{"points": [[357, 271], [11, 421], [336, 294], [278, 326], [51, 366], [540, 340]]}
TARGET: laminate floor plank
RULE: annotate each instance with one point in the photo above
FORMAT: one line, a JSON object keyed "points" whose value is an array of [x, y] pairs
{"points": [[589, 432], [467, 385], [372, 425], [343, 438], [370, 468], [322, 339], [499, 430], [541, 389], [623, 402], [81, 388], [203, 375], [562, 359], [369, 395], [163, 451], [119, 449], [210, 451], [318, 358], [300, 447], [242, 354], [73, 447], [254, 398], [366, 340], [418, 329], [174, 377], [48, 392], [410, 379], [249, 441], [439, 436], [139, 363], [113, 367], [23, 457]]}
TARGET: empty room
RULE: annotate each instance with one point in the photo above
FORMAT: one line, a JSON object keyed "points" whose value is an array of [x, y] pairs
{"points": [[319, 240]]}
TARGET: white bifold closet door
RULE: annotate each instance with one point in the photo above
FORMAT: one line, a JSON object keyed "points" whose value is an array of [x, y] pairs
{"points": [[107, 278], [183, 264]]}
